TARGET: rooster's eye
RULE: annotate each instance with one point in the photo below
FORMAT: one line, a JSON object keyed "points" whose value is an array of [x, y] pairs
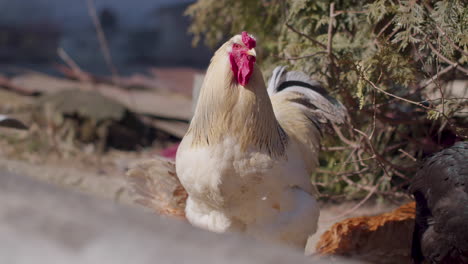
{"points": [[236, 46]]}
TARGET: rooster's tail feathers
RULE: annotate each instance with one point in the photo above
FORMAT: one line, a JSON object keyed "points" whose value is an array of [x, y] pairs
{"points": [[310, 94]]}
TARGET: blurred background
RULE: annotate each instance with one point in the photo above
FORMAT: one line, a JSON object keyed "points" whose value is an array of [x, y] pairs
{"points": [[139, 34], [100, 84], [93, 77]]}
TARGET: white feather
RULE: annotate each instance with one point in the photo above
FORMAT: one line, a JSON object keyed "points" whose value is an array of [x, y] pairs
{"points": [[250, 192]]}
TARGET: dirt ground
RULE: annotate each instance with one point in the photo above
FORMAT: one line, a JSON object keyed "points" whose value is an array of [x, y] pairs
{"points": [[105, 177]]}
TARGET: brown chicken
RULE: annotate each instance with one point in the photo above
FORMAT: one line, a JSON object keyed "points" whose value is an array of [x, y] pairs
{"points": [[384, 238]]}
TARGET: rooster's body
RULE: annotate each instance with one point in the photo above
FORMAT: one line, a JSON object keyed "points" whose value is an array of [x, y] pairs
{"points": [[247, 157]]}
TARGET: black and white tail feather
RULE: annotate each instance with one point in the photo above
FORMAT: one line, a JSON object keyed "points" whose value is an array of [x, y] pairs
{"points": [[10, 122], [321, 108]]}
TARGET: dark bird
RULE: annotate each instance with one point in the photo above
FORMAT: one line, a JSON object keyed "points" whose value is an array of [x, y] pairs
{"points": [[440, 189]]}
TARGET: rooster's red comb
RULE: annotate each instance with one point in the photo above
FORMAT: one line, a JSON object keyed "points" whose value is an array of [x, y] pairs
{"points": [[249, 41]]}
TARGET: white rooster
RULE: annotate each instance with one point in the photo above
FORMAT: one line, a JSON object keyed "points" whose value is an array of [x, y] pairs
{"points": [[248, 155]]}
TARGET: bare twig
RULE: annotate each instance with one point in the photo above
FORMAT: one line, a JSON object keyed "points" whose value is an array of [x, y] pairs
{"points": [[442, 93], [449, 99], [373, 116], [384, 28], [338, 148], [354, 208], [442, 57], [306, 36], [346, 173], [415, 103], [373, 151], [305, 56], [359, 160], [337, 13], [330, 28], [102, 40], [407, 155], [392, 95], [343, 138], [437, 75], [331, 62], [80, 74]]}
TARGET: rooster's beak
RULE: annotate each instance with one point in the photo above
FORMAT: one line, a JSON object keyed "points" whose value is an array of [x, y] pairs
{"points": [[251, 52]]}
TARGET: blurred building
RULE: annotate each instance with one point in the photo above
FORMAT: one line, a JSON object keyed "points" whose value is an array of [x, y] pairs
{"points": [[139, 32]]}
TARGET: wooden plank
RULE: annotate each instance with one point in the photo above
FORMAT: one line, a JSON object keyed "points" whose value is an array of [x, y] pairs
{"points": [[165, 105], [175, 128]]}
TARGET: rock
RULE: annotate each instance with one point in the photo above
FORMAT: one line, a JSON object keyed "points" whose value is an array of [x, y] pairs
{"points": [[89, 117]]}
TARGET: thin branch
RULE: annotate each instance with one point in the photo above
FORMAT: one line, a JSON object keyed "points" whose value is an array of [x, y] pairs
{"points": [[306, 36], [337, 13], [303, 57], [338, 148], [384, 28], [374, 115], [442, 57], [437, 75], [80, 74], [331, 62], [330, 29], [369, 142], [346, 173], [415, 103], [392, 95], [448, 99], [359, 160], [354, 208], [408, 155], [102, 40], [442, 93], [343, 138]]}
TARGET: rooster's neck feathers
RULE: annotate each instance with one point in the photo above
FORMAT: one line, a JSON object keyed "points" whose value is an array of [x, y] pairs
{"points": [[230, 110]]}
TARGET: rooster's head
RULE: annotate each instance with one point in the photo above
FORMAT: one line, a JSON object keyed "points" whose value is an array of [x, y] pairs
{"points": [[242, 57]]}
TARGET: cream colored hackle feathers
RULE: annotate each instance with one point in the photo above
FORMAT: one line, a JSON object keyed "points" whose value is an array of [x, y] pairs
{"points": [[226, 109], [248, 155]]}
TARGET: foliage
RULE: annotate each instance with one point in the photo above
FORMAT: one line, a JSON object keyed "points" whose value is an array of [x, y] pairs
{"points": [[381, 58]]}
